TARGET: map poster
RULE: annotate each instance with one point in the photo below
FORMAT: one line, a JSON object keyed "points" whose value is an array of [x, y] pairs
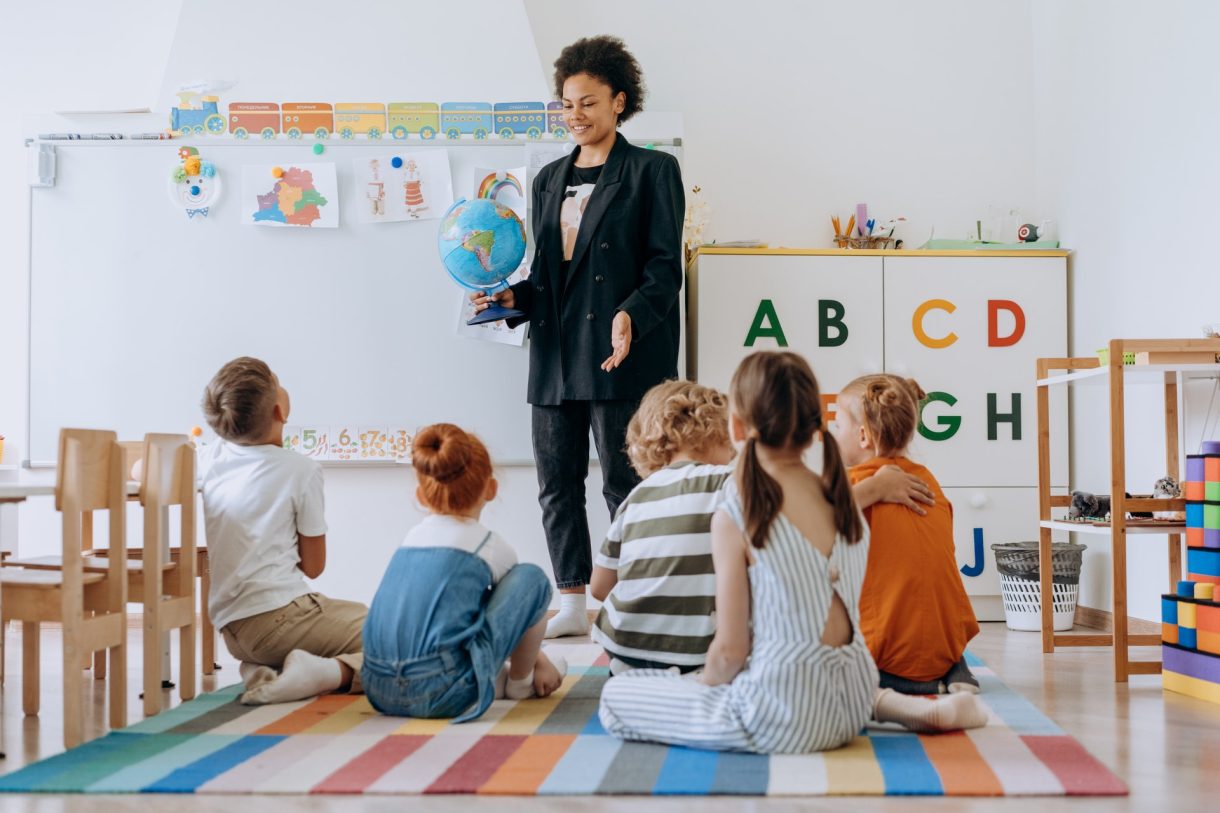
{"points": [[290, 195]]}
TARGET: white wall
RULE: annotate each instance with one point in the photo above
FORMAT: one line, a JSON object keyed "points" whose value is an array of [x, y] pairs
{"points": [[795, 110], [1127, 126]]}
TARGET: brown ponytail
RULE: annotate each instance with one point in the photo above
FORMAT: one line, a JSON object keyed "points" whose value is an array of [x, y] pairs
{"points": [[776, 395], [888, 410], [452, 467]]}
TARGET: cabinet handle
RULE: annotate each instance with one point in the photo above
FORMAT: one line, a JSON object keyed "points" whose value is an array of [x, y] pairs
{"points": [[978, 500]]}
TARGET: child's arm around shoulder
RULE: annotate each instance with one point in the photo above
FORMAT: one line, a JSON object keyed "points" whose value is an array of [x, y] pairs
{"points": [[730, 647], [892, 484]]}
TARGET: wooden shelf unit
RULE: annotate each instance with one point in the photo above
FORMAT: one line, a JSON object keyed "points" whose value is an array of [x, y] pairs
{"points": [[1070, 371]]}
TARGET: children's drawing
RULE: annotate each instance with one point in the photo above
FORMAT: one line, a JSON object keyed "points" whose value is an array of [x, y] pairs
{"points": [[304, 196], [504, 185], [403, 186], [194, 183]]}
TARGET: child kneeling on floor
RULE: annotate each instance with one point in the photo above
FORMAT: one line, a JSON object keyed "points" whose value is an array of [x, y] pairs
{"points": [[914, 612], [454, 603], [787, 670], [654, 573]]}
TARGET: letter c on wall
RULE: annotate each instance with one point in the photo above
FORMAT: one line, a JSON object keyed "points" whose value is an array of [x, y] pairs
{"points": [[917, 323]]}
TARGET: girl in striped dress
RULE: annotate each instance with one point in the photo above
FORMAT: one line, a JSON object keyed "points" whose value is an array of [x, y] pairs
{"points": [[787, 671]]}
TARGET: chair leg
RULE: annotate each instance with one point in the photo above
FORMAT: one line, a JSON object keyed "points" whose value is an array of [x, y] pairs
{"points": [[186, 655], [206, 631], [152, 658], [30, 660], [118, 684], [74, 686]]}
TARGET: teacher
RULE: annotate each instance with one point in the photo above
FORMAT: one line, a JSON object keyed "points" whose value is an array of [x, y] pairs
{"points": [[601, 299]]}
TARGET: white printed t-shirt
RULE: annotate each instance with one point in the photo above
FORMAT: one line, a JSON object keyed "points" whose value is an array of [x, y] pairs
{"points": [[256, 499], [442, 531]]}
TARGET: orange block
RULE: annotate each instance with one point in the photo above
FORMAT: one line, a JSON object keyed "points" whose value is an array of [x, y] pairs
{"points": [[1211, 468], [1195, 490], [1194, 537], [1208, 618], [1202, 577], [1209, 642], [1169, 633]]}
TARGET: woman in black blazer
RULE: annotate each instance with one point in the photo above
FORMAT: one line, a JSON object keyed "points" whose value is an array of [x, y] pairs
{"points": [[601, 299]]}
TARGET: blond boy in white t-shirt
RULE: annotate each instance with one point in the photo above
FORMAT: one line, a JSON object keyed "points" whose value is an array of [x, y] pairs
{"points": [[263, 512]]}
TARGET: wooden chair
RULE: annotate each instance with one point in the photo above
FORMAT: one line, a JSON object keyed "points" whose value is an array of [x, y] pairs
{"points": [[167, 593], [91, 606]]}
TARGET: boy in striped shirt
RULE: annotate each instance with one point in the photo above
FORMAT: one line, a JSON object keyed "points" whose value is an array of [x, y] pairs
{"points": [[654, 572]]}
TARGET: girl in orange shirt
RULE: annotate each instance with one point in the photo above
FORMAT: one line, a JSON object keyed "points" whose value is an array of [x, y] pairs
{"points": [[914, 613]]}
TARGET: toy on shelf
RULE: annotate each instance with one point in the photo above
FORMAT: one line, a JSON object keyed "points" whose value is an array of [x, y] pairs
{"points": [[360, 118], [1168, 488], [262, 118], [519, 118], [195, 115], [421, 118], [1190, 634], [466, 118], [312, 118]]}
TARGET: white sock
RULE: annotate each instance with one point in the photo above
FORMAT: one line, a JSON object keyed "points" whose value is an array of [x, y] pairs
{"points": [[946, 713], [520, 689], [572, 618], [305, 675], [254, 675]]}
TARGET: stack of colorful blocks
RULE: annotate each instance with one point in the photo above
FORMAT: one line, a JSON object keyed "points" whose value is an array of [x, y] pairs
{"points": [[1190, 619]]}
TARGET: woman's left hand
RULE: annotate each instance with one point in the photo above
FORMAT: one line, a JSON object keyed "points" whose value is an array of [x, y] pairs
{"points": [[620, 340]]}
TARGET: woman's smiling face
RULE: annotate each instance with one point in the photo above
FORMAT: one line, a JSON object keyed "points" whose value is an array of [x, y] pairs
{"points": [[590, 109]]}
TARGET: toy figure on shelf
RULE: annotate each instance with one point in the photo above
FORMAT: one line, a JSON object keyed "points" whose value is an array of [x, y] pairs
{"points": [[1086, 506], [1168, 488]]}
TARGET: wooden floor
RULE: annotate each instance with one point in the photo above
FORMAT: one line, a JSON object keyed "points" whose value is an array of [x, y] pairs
{"points": [[1166, 746]]}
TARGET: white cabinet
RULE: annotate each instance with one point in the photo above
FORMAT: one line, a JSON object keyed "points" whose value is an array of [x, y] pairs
{"points": [[968, 326], [826, 308]]}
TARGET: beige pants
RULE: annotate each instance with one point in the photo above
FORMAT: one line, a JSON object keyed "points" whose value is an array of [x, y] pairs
{"points": [[326, 627]]}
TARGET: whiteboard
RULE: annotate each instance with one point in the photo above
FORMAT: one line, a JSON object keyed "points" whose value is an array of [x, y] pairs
{"points": [[133, 307]]}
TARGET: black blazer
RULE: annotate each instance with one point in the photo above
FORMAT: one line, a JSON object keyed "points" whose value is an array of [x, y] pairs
{"points": [[628, 257]]}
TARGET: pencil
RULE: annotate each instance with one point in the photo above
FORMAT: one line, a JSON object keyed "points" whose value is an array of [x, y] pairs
{"points": [[851, 224]]}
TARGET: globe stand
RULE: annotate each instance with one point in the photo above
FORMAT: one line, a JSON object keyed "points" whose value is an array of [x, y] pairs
{"points": [[494, 313]]}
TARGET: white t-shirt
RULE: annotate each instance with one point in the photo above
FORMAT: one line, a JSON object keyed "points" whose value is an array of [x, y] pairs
{"points": [[256, 499], [441, 531]]}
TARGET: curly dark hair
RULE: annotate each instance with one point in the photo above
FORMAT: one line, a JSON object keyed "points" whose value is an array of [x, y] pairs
{"points": [[607, 60]]}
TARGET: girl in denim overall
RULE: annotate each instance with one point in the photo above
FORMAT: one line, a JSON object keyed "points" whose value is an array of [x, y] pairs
{"points": [[454, 603]]}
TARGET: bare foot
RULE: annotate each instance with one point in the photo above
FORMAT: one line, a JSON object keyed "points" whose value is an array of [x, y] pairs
{"points": [[549, 671]]}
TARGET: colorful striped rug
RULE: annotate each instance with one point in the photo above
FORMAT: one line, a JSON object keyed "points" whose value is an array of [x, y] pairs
{"points": [[339, 745]]}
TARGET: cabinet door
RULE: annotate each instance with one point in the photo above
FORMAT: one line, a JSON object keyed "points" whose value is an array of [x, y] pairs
{"points": [[981, 518], [828, 309], [970, 330]]}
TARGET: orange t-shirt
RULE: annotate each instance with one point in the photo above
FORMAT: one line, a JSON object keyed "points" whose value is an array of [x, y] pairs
{"points": [[914, 613]]}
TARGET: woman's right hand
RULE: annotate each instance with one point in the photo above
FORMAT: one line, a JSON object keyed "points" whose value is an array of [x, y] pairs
{"points": [[482, 301]]}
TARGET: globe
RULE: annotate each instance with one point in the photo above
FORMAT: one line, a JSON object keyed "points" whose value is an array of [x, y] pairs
{"points": [[481, 244]]}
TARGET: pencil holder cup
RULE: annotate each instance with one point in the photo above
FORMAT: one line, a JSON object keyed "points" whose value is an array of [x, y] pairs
{"points": [[869, 241]]}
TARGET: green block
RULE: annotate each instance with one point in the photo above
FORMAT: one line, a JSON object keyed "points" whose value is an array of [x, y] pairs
{"points": [[1211, 516], [1211, 492]]}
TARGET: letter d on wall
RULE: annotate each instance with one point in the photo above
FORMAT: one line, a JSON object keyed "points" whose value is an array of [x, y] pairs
{"points": [[994, 339]]}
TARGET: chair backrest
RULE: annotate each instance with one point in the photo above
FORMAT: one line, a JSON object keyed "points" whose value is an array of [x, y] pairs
{"points": [[169, 470], [89, 475]]}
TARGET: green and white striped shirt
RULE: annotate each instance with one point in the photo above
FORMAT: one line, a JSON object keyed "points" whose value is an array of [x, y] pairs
{"points": [[663, 606]]}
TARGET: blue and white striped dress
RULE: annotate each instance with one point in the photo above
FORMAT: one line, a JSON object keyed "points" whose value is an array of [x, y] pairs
{"points": [[796, 695]]}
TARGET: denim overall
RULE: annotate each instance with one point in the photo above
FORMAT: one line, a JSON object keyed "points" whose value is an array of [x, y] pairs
{"points": [[438, 631]]}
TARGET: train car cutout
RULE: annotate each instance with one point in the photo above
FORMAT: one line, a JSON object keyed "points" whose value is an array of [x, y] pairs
{"points": [[519, 118], [308, 118], [466, 118], [418, 118], [262, 118], [554, 120], [360, 118], [186, 119]]}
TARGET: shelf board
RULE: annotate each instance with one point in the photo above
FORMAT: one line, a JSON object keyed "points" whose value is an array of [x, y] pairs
{"points": [[1104, 530], [1134, 372]]}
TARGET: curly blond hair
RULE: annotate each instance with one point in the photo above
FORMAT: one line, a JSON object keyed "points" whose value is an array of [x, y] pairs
{"points": [[676, 416], [888, 407]]}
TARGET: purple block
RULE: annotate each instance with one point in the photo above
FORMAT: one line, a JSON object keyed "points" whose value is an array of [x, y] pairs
{"points": [[1211, 538], [1195, 468], [1211, 447], [1195, 664]]}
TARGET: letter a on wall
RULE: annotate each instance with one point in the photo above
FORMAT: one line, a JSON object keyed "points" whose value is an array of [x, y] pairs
{"points": [[766, 325]]}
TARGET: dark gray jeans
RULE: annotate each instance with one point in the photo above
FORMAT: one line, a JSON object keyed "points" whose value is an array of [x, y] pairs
{"points": [[561, 450]]}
